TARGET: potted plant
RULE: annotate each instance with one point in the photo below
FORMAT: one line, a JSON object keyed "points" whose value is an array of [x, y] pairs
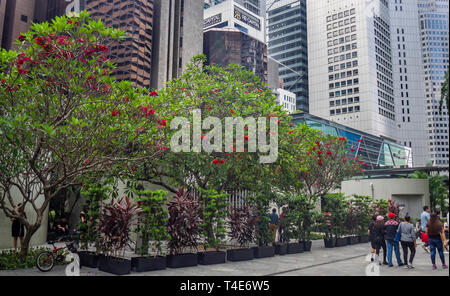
{"points": [[214, 213], [333, 219], [152, 230], [89, 233], [351, 222], [116, 221], [260, 204], [184, 230], [304, 216], [363, 217], [241, 223]]}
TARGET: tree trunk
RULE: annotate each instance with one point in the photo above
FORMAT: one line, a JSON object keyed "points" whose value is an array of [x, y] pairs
{"points": [[25, 245]]}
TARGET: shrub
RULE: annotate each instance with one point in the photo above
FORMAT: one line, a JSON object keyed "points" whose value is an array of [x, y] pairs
{"points": [[242, 224], [153, 220], [116, 220], [184, 222]]}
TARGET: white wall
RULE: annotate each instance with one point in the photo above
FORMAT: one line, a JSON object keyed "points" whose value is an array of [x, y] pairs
{"points": [[412, 193]]}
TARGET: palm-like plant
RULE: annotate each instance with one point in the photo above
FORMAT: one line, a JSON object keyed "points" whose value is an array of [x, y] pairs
{"points": [[116, 221], [444, 93]]}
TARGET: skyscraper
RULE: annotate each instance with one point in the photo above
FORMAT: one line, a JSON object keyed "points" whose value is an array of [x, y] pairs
{"points": [[434, 34], [16, 17], [257, 7], [177, 37], [133, 56], [224, 46], [408, 78], [288, 41], [351, 77]]}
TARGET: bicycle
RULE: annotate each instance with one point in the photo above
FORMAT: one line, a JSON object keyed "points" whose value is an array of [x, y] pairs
{"points": [[45, 261]]}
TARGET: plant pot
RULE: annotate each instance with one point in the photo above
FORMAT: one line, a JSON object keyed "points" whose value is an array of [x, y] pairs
{"points": [[214, 257], [240, 255], [341, 242], [263, 252], [88, 259], [307, 246], [352, 240], [182, 260], [330, 243], [363, 239], [281, 249], [114, 265], [142, 264], [295, 248]]}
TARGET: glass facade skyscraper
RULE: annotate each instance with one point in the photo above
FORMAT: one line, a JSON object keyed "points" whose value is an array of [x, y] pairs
{"points": [[434, 26], [287, 41]]}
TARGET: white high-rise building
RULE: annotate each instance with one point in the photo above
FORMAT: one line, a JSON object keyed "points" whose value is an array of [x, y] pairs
{"points": [[434, 33], [378, 66], [351, 76], [409, 78]]}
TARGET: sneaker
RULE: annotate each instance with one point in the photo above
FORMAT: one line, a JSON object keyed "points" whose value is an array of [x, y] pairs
{"points": [[434, 267], [444, 266], [411, 266], [390, 265], [385, 263], [401, 264], [426, 248], [406, 267]]}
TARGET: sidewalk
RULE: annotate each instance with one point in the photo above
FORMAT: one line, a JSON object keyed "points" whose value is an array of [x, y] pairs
{"points": [[345, 261]]}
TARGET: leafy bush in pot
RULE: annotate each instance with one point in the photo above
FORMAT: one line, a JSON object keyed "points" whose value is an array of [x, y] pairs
{"points": [[214, 213], [116, 221], [184, 222], [242, 224], [335, 211], [152, 221]]}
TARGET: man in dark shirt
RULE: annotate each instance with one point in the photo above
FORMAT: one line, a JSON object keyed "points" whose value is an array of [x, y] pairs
{"points": [[273, 226]]}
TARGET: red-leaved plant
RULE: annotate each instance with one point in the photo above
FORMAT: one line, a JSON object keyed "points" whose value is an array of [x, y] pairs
{"points": [[242, 225], [116, 221], [184, 222]]}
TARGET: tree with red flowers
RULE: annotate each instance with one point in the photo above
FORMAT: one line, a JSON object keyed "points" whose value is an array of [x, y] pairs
{"points": [[63, 117], [318, 162]]}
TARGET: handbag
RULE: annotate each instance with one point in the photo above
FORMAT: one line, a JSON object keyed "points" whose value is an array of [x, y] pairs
{"points": [[398, 235]]}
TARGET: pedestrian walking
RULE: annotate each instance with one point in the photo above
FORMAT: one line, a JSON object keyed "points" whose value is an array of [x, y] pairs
{"points": [[391, 227], [273, 224], [437, 239], [424, 217], [378, 241], [408, 241]]}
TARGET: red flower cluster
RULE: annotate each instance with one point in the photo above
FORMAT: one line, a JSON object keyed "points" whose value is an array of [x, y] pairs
{"points": [[114, 113], [21, 38], [148, 110], [154, 94], [217, 161]]}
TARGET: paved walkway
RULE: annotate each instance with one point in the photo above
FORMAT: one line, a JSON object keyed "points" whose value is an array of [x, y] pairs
{"points": [[345, 261]]}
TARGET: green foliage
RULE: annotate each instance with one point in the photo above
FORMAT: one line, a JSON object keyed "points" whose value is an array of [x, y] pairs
{"points": [[10, 260], [379, 207], [361, 211], [260, 204], [438, 186], [445, 93], [152, 220], [335, 212], [89, 231], [300, 218], [214, 213]]}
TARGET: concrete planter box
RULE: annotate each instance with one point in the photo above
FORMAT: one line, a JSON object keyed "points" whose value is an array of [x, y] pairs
{"points": [[114, 265], [210, 258], [263, 252], [142, 264], [240, 255], [182, 260]]}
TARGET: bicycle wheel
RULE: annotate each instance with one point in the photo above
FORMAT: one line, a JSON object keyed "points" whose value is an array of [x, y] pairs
{"points": [[45, 261]]}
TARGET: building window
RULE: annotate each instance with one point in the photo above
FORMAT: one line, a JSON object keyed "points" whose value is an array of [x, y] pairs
{"points": [[24, 18]]}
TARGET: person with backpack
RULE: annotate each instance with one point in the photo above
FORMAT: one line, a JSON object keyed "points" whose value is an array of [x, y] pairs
{"points": [[391, 227], [436, 239], [408, 241]]}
